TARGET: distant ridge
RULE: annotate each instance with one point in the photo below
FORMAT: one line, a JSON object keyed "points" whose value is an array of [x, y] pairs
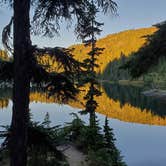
{"points": [[160, 23], [125, 42]]}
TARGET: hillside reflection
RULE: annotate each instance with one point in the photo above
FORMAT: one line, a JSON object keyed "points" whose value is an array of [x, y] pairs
{"points": [[118, 102], [132, 94]]}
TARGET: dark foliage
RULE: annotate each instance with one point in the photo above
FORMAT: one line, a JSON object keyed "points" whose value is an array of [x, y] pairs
{"points": [[149, 55], [114, 72], [99, 148], [6, 71], [60, 85], [42, 143], [48, 14]]}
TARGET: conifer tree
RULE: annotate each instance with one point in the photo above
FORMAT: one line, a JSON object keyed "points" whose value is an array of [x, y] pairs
{"points": [[108, 135], [89, 29], [47, 15], [109, 144], [47, 121]]}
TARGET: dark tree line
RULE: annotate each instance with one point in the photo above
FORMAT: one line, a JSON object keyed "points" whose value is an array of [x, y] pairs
{"points": [[149, 55], [113, 71]]}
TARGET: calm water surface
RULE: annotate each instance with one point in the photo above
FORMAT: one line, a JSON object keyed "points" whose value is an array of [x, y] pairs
{"points": [[139, 122]]}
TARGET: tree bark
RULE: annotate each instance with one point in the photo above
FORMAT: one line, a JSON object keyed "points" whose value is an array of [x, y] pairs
{"points": [[21, 88]]}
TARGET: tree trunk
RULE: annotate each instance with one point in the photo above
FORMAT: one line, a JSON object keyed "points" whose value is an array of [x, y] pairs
{"points": [[21, 89]]}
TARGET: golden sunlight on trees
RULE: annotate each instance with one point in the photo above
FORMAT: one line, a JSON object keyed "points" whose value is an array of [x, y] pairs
{"points": [[127, 42]]}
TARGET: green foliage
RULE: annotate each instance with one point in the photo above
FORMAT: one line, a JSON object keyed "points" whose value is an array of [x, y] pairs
{"points": [[149, 54], [73, 129], [104, 152], [89, 27], [90, 137], [104, 158], [99, 148], [109, 144], [157, 73], [114, 72]]}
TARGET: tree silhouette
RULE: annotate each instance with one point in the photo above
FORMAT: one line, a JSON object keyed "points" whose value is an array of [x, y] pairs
{"points": [[109, 144], [89, 29], [47, 15]]}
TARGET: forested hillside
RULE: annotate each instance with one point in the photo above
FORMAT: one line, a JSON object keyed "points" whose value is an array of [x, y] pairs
{"points": [[116, 44], [114, 71], [147, 64]]}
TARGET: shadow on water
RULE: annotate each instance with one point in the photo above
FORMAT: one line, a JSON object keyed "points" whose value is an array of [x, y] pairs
{"points": [[132, 95]]}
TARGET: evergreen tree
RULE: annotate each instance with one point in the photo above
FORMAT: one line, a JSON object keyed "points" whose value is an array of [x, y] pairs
{"points": [[109, 139], [109, 144], [89, 29], [46, 19], [47, 121]]}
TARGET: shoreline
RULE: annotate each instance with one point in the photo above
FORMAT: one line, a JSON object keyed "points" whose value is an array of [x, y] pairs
{"points": [[156, 93]]}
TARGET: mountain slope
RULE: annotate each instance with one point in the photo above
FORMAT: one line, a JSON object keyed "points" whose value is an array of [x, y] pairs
{"points": [[125, 42]]}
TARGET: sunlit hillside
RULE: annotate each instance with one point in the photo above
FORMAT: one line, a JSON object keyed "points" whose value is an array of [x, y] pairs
{"points": [[124, 42]]}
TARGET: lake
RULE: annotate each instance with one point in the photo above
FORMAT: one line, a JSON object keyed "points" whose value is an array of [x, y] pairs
{"points": [[139, 122]]}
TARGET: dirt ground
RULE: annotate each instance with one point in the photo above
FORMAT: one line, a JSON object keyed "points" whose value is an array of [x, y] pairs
{"points": [[73, 156]]}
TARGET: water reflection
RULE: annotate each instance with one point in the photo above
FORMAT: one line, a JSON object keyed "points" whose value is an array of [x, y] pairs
{"points": [[141, 145], [125, 103], [132, 95]]}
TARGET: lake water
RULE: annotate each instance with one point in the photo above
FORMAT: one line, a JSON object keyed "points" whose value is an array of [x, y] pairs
{"points": [[139, 122]]}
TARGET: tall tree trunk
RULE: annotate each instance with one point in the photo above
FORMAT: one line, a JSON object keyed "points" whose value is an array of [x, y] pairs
{"points": [[21, 90]]}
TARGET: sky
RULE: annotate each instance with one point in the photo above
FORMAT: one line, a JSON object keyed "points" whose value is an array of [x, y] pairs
{"points": [[132, 14]]}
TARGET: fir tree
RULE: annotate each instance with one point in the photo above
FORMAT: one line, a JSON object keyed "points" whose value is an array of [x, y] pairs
{"points": [[47, 15], [47, 121], [109, 144], [109, 139], [89, 28]]}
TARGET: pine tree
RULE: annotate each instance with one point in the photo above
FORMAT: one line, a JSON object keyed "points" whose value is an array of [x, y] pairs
{"points": [[89, 28], [48, 14], [47, 121], [109, 139], [109, 144]]}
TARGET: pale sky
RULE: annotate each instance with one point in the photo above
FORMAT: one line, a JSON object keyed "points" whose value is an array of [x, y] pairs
{"points": [[132, 14]]}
